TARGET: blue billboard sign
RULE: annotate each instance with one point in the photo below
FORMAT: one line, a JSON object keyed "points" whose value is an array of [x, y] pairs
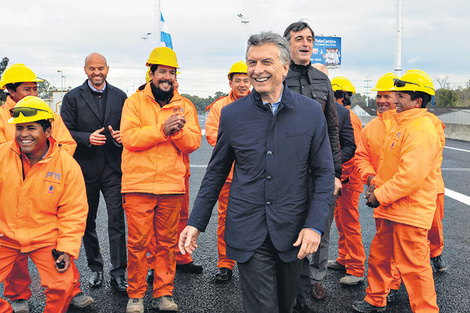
{"points": [[327, 50]]}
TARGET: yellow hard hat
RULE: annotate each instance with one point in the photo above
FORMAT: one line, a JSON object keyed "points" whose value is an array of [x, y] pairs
{"points": [[342, 83], [238, 67], [162, 56], [147, 76], [30, 109], [415, 80], [385, 83], [18, 73]]}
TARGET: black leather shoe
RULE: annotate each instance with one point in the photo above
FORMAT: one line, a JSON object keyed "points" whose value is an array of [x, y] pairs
{"points": [[96, 279], [223, 275], [190, 267], [119, 283], [150, 276]]}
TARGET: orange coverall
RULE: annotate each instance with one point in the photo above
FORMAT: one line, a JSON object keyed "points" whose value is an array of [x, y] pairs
{"points": [[351, 252], [407, 207], [20, 275], [153, 185], [184, 214], [41, 208], [212, 128], [367, 159]]}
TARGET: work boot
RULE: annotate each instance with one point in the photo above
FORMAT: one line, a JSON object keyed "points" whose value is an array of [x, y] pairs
{"points": [[135, 305], [190, 267], [20, 306], [165, 303], [317, 291], [365, 307], [80, 301], [335, 265], [351, 280], [223, 275], [439, 264]]}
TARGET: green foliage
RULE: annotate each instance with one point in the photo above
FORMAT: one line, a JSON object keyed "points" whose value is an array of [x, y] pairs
{"points": [[202, 103], [445, 98], [3, 66]]}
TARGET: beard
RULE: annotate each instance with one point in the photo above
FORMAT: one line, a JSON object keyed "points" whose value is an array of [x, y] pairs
{"points": [[161, 95]]}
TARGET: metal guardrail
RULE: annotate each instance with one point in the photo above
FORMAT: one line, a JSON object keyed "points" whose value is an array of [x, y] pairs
{"points": [[456, 131]]}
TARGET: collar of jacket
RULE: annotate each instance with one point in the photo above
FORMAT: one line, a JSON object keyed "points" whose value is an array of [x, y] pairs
{"points": [[307, 70], [9, 103], [53, 149], [409, 115], [286, 99], [387, 114], [148, 92]]}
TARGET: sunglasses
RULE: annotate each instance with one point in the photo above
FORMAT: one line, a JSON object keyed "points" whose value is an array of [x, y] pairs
{"points": [[15, 112], [401, 83]]}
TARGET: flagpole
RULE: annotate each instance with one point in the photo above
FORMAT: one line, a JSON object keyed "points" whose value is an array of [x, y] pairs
{"points": [[158, 23]]}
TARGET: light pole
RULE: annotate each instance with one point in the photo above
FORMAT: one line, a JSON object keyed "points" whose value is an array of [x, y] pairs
{"points": [[245, 20], [61, 84], [145, 37]]}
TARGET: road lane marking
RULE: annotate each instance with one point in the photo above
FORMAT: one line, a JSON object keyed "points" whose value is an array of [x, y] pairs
{"points": [[458, 196], [198, 166], [461, 169], [458, 149], [203, 131]]}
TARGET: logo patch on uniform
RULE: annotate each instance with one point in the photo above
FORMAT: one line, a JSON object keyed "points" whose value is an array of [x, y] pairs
{"points": [[53, 175], [50, 189]]}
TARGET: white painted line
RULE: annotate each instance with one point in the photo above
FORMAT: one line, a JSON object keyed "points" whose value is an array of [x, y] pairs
{"points": [[460, 169], [198, 166], [458, 149], [458, 196], [203, 131]]}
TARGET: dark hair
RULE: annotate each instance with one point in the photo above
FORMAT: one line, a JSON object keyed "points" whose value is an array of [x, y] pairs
{"points": [[45, 124], [272, 38], [153, 68], [13, 86], [419, 94], [339, 94], [297, 27]]}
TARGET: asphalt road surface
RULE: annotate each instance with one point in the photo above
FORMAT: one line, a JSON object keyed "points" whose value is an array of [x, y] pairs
{"points": [[199, 293]]}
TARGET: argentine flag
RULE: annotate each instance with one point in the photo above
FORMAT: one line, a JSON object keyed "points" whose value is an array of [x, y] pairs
{"points": [[165, 34]]}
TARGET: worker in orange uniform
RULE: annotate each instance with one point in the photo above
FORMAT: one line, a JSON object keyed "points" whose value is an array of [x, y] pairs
{"points": [[403, 195], [158, 126], [240, 86], [20, 81], [367, 160], [351, 254], [184, 262], [43, 206]]}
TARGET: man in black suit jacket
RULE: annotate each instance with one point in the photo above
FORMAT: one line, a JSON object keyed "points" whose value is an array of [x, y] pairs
{"points": [[92, 113]]}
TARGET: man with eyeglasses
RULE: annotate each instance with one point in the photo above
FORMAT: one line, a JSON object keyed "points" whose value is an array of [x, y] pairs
{"points": [[43, 205], [20, 81], [403, 194]]}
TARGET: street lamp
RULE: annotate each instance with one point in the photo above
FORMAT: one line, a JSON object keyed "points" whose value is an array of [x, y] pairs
{"points": [[145, 37], [61, 84], [245, 21]]}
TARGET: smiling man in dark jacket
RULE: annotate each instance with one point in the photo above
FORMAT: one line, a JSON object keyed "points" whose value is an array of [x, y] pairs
{"points": [[275, 137]]}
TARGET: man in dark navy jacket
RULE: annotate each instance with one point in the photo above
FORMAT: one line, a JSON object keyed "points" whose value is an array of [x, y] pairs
{"points": [[275, 138]]}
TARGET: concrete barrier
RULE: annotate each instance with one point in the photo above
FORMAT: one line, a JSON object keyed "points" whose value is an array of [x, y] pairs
{"points": [[452, 131]]}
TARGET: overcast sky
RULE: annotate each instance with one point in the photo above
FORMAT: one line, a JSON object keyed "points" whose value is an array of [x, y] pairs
{"points": [[208, 37]]}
